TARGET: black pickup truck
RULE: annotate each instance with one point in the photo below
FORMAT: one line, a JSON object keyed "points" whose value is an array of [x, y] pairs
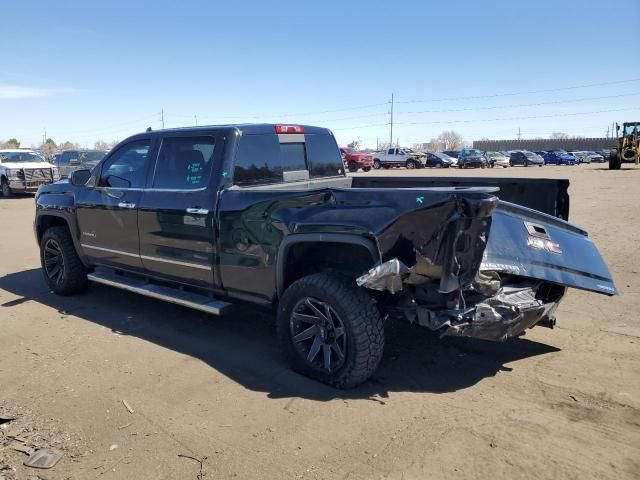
{"points": [[210, 216]]}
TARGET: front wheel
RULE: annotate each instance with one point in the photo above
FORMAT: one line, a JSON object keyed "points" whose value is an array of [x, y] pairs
{"points": [[376, 164], [615, 162], [410, 164], [6, 190], [63, 271], [330, 330], [353, 167]]}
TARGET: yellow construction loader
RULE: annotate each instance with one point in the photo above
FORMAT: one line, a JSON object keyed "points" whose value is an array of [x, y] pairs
{"points": [[627, 146]]}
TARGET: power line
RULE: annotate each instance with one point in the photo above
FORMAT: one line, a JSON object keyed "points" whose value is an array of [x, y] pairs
{"points": [[529, 92], [489, 119], [521, 105]]}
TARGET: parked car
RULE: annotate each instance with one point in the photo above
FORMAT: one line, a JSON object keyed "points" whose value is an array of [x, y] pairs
{"points": [[596, 157], [70, 160], [559, 157], [354, 160], [206, 217], [583, 157], [440, 160], [452, 153], [471, 158], [23, 171], [525, 158], [399, 157], [604, 153], [497, 159]]}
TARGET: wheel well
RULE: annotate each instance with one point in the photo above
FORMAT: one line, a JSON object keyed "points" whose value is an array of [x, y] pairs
{"points": [[48, 221], [306, 258]]}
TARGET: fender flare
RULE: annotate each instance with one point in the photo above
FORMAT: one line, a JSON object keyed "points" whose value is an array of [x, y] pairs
{"points": [[294, 239]]}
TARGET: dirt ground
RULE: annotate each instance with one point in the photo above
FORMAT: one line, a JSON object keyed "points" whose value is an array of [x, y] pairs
{"points": [[562, 403]]}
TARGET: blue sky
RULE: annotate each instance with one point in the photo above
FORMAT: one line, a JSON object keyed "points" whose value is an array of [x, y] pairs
{"points": [[87, 71]]}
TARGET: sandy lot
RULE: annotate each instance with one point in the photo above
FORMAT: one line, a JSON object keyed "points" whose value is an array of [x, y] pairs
{"points": [[561, 403]]}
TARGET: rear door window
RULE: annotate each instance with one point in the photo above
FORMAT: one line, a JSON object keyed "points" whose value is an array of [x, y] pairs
{"points": [[184, 163]]}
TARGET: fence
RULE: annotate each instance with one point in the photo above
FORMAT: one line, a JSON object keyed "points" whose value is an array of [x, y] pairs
{"points": [[545, 144]]}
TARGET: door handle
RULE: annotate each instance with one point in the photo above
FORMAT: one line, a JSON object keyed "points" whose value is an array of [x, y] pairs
{"points": [[126, 205], [197, 211]]}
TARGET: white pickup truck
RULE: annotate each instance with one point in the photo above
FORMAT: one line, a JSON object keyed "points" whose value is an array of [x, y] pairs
{"points": [[23, 171], [399, 157]]}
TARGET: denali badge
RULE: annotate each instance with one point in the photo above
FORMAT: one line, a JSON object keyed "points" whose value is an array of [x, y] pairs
{"points": [[543, 244]]}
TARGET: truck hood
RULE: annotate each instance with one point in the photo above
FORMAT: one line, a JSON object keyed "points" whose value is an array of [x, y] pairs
{"points": [[26, 165]]}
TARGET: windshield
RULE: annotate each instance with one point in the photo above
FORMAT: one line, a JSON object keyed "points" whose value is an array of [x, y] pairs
{"points": [[560, 152], [530, 154], [92, 156], [352, 150], [443, 156], [631, 129], [20, 157]]}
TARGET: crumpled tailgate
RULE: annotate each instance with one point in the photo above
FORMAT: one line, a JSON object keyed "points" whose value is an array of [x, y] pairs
{"points": [[531, 244]]}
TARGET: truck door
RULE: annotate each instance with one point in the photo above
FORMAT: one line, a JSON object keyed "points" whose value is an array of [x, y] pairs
{"points": [[177, 212], [108, 212]]}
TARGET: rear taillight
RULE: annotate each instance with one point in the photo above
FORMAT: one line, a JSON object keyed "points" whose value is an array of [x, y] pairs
{"points": [[289, 129]]}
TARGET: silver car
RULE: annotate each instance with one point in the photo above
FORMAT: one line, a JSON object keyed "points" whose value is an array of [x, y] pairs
{"points": [[70, 160]]}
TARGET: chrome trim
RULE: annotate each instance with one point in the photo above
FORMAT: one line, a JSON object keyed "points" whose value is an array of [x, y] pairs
{"points": [[109, 250], [185, 299], [170, 190], [147, 257], [175, 262], [197, 211]]}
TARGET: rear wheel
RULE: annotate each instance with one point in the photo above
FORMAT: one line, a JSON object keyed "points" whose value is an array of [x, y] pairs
{"points": [[353, 167], [6, 190], [63, 271], [366, 169], [614, 160], [330, 330], [410, 164], [376, 164]]}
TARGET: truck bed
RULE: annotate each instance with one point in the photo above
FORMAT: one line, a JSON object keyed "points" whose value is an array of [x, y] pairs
{"points": [[545, 195]]}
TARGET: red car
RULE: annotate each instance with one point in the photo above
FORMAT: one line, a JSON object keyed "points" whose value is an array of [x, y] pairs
{"points": [[353, 160]]}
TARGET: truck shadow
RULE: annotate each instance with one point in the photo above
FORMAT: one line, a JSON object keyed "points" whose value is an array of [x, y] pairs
{"points": [[242, 345]]}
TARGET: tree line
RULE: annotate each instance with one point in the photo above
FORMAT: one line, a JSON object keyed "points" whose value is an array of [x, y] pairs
{"points": [[49, 146]]}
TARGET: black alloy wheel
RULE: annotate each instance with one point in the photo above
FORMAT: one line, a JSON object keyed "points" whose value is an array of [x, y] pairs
{"points": [[53, 261], [318, 335]]}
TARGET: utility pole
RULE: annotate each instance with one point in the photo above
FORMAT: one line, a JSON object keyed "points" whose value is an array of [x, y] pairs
{"points": [[196, 119], [377, 144], [518, 133], [162, 117], [391, 132]]}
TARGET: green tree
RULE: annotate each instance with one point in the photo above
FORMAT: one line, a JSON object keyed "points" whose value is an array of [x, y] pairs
{"points": [[12, 143], [48, 147]]}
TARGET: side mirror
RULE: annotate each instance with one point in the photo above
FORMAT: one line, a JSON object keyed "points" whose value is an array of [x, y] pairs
{"points": [[78, 178]]}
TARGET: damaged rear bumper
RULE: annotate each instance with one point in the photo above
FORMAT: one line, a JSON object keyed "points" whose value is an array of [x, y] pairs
{"points": [[492, 275]]}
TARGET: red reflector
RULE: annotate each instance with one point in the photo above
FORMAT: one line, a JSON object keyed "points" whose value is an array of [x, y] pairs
{"points": [[289, 129]]}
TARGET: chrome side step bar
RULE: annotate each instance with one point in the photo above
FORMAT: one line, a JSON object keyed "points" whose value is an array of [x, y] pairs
{"points": [[168, 294]]}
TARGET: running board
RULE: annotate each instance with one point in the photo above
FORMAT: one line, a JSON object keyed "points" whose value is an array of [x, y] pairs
{"points": [[168, 294]]}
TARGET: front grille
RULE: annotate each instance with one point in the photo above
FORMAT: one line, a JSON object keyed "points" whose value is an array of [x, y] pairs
{"points": [[37, 174]]}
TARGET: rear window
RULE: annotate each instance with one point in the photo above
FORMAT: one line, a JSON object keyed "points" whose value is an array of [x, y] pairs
{"points": [[264, 159], [324, 156]]}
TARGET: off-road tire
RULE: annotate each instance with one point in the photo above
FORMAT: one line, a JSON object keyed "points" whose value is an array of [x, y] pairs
{"points": [[362, 325], [4, 188], [74, 277], [376, 164], [615, 161]]}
